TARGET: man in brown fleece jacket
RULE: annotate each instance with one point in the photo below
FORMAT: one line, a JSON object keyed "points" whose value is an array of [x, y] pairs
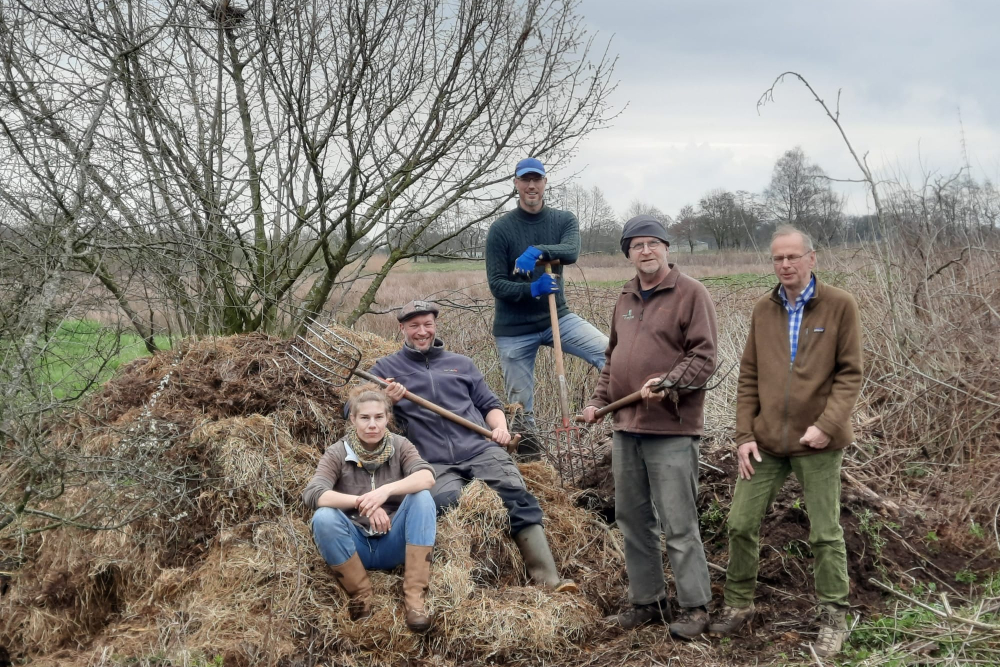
{"points": [[663, 325], [800, 376]]}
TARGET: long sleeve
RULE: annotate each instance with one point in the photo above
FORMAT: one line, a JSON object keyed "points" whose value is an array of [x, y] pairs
{"points": [[699, 360], [567, 251], [747, 394], [499, 258], [324, 479], [600, 397]]}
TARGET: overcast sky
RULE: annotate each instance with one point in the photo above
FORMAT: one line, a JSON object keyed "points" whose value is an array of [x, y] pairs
{"points": [[912, 74]]}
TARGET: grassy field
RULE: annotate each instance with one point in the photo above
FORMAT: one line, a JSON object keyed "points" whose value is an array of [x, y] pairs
{"points": [[82, 353]]}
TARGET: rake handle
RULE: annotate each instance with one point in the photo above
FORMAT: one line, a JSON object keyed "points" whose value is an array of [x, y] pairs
{"points": [[433, 407]]}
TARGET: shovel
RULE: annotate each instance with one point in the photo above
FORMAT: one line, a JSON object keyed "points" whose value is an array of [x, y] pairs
{"points": [[339, 361]]}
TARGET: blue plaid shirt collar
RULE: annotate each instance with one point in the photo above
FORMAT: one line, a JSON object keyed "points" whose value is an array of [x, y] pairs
{"points": [[795, 313]]}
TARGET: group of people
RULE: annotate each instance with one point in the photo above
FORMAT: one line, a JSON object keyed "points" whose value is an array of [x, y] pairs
{"points": [[376, 494]]}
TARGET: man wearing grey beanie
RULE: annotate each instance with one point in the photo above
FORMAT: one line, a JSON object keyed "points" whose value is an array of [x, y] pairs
{"points": [[663, 327]]}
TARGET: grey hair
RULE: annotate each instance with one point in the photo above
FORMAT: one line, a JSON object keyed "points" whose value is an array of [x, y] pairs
{"points": [[786, 230]]}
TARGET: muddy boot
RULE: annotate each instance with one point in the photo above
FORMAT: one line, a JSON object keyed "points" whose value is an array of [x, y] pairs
{"points": [[538, 560], [690, 623], [641, 614], [532, 445], [832, 630], [416, 578], [730, 621], [353, 578]]}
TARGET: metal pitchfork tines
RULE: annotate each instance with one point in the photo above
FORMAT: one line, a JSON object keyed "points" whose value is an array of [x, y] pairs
{"points": [[335, 365]]}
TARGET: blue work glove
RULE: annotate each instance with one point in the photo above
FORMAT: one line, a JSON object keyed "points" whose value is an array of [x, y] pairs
{"points": [[525, 264], [546, 284]]}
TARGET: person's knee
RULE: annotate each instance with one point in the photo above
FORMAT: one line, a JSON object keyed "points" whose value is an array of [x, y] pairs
{"points": [[328, 519], [522, 508], [741, 524], [423, 501], [445, 500]]}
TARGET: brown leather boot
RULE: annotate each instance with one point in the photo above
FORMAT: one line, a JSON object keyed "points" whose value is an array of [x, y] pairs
{"points": [[353, 578], [416, 580]]}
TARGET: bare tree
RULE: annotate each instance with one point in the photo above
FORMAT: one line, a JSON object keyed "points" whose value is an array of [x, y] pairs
{"points": [[230, 164], [686, 227], [800, 195], [600, 228], [639, 207]]}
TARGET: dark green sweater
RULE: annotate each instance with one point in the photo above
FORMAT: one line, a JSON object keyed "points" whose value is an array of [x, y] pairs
{"points": [[555, 232]]}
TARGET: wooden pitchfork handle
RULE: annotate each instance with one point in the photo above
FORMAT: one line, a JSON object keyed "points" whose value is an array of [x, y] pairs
{"points": [[617, 405], [557, 346], [447, 414], [611, 407]]}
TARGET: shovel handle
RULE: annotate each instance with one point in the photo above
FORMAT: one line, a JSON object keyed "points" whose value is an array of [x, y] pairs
{"points": [[433, 407]]}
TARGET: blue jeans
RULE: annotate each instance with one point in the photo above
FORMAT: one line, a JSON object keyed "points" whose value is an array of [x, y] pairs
{"points": [[338, 538], [517, 356]]}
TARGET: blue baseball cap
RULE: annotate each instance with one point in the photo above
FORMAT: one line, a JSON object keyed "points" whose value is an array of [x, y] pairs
{"points": [[529, 165]]}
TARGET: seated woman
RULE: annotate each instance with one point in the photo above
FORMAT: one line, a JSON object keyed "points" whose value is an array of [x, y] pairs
{"points": [[373, 508]]}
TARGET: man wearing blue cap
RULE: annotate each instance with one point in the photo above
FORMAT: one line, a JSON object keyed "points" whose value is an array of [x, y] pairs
{"points": [[517, 241]]}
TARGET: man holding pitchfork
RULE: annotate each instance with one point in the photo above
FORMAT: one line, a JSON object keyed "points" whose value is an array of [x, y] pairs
{"points": [[663, 341], [516, 243]]}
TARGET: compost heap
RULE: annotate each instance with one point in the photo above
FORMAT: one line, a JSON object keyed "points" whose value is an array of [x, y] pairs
{"points": [[204, 451]]}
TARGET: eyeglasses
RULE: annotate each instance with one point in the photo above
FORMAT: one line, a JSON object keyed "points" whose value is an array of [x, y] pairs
{"points": [[652, 245], [792, 259]]}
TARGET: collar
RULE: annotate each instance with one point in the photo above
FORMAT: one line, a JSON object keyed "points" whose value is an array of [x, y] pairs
{"points": [[351, 456], [669, 281], [778, 293], [436, 350], [533, 218]]}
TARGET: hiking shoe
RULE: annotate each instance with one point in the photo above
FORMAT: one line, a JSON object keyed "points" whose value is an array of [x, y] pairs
{"points": [[731, 621], [641, 614], [832, 630], [691, 622]]}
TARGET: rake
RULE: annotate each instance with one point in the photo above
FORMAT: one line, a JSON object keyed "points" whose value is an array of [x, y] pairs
{"points": [[335, 365]]}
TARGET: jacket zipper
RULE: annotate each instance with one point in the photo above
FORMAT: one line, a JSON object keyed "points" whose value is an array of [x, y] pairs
{"points": [[642, 310], [427, 364], [800, 348]]}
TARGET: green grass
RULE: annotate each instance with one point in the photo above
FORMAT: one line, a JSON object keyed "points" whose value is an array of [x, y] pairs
{"points": [[446, 266], [740, 280], [883, 640], [81, 354]]}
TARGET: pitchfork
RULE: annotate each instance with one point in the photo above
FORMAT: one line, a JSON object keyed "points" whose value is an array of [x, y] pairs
{"points": [[339, 366], [665, 385], [567, 437]]}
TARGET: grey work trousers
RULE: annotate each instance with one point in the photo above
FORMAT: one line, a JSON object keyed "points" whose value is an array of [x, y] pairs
{"points": [[497, 469], [656, 487]]}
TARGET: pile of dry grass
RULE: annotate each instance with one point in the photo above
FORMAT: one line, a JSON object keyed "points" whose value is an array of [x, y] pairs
{"points": [[228, 567]]}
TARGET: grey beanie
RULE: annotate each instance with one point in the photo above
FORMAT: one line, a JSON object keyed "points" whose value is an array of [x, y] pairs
{"points": [[643, 225]]}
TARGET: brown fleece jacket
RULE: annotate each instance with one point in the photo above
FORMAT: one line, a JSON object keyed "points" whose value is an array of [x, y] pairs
{"points": [[777, 401], [339, 471], [674, 330]]}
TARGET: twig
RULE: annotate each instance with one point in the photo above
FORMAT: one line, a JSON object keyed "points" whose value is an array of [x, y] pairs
{"points": [[937, 612]]}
